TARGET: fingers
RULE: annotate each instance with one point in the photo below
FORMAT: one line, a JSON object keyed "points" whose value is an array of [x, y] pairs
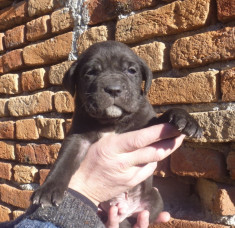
{"points": [[113, 218], [131, 141], [142, 220], [163, 217], [155, 152]]}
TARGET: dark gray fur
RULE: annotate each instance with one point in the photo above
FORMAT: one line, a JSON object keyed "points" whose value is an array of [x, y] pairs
{"points": [[108, 74]]}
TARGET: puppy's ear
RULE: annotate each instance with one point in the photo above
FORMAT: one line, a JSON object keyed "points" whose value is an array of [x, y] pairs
{"points": [[147, 76], [69, 80]]}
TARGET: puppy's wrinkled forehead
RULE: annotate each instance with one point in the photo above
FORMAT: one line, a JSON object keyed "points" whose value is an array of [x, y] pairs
{"points": [[109, 55]]}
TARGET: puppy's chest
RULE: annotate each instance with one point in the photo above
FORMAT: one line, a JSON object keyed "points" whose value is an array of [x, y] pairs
{"points": [[106, 132]]}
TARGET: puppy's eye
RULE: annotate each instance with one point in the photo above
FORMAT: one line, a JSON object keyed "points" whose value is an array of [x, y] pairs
{"points": [[92, 72], [131, 70]]}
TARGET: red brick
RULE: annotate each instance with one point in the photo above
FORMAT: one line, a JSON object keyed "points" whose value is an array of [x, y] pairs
{"points": [[9, 84], [14, 15], [100, 11], [42, 154], [26, 129], [217, 198], [226, 10], [43, 174], [40, 7], [34, 79], [5, 213], [163, 168], [3, 107], [5, 170], [181, 223], [25, 174], [1, 42], [172, 18], [61, 20], [64, 102], [1, 65], [14, 196], [15, 37], [203, 48], [12, 60], [7, 150], [30, 105], [198, 162], [7, 130], [38, 28], [228, 84], [49, 51]]}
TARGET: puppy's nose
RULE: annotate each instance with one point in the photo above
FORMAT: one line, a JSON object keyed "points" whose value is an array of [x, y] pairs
{"points": [[113, 90]]}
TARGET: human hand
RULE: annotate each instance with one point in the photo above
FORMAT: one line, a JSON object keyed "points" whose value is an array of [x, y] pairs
{"points": [[142, 218], [117, 163]]}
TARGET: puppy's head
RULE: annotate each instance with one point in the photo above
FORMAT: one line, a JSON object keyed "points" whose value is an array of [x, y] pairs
{"points": [[107, 80]]}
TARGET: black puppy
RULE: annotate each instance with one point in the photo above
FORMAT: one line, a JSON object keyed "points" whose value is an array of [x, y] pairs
{"points": [[106, 81]]}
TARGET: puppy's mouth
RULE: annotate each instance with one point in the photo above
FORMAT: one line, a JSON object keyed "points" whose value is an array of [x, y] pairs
{"points": [[113, 111]]}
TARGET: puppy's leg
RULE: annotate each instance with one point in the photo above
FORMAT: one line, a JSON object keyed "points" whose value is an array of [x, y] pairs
{"points": [[70, 156], [182, 121]]}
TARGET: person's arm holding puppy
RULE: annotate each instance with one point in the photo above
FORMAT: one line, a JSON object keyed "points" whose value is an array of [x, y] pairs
{"points": [[112, 166]]}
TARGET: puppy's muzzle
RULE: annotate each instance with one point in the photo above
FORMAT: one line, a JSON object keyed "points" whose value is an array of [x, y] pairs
{"points": [[113, 90]]}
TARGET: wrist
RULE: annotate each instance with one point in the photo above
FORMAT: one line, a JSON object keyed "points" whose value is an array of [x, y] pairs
{"points": [[78, 184]]}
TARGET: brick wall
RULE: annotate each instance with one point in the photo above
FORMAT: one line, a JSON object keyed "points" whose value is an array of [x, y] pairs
{"points": [[190, 47]]}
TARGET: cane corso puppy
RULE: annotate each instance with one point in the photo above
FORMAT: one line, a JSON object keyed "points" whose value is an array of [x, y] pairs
{"points": [[106, 81]]}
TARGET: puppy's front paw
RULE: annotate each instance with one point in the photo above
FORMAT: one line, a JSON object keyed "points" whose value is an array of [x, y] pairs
{"points": [[183, 122], [48, 195]]}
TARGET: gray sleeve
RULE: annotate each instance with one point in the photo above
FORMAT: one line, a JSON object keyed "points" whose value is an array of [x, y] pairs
{"points": [[75, 211]]}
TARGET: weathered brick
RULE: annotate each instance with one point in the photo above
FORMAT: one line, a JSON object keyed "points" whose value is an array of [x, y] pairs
{"points": [[12, 60], [41, 154], [1, 42], [218, 126], [3, 107], [15, 37], [163, 168], [43, 174], [67, 126], [40, 7], [14, 196], [56, 72], [7, 130], [1, 65], [5, 170], [225, 10], [231, 164], [34, 79], [30, 105], [61, 20], [100, 11], [185, 90], [204, 48], [91, 36], [173, 18], [5, 3], [14, 15], [49, 51], [7, 150], [64, 102], [198, 162], [17, 213], [51, 128], [5, 213], [26, 129], [180, 223], [9, 84], [25, 174], [38, 28], [228, 84], [217, 198], [153, 54]]}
